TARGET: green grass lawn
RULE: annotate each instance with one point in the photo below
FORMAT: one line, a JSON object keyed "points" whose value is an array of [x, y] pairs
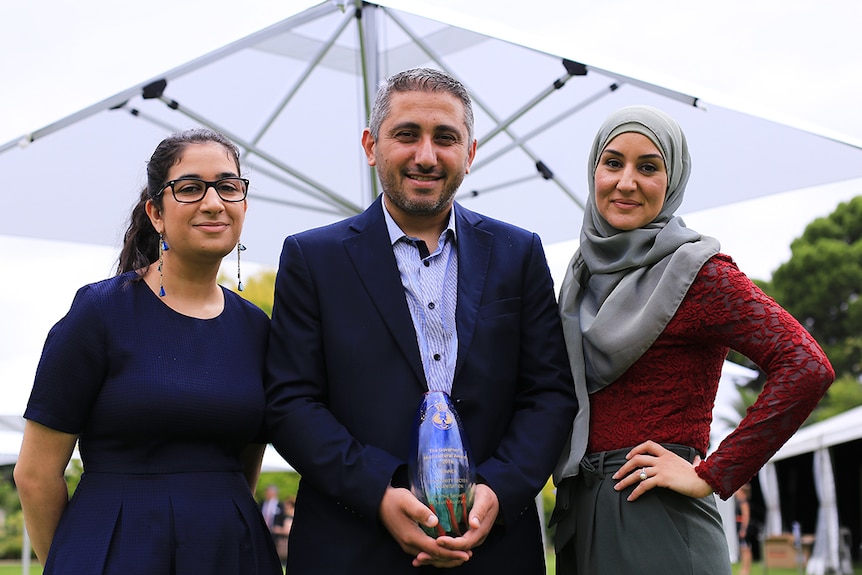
{"points": [[11, 568], [756, 569]]}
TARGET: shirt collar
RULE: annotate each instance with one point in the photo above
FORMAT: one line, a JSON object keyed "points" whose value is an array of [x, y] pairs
{"points": [[396, 233]]}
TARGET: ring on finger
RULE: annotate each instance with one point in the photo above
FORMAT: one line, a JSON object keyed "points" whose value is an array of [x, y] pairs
{"points": [[643, 474]]}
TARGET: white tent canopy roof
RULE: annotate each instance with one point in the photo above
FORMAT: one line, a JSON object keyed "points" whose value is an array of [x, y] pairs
{"points": [[293, 96], [793, 63], [841, 428]]}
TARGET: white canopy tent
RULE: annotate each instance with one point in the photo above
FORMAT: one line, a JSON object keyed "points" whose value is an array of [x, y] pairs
{"points": [[295, 97], [818, 439], [842, 428], [725, 418]]}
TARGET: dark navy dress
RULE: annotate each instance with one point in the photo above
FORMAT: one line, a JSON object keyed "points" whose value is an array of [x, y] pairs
{"points": [[163, 405]]}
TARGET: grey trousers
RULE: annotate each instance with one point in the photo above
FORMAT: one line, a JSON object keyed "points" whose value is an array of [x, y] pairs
{"points": [[599, 532]]}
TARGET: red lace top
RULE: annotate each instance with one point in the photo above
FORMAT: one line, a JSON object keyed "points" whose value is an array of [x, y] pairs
{"points": [[669, 393]]}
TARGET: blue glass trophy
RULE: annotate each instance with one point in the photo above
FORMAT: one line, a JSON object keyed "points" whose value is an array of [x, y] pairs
{"points": [[441, 470]]}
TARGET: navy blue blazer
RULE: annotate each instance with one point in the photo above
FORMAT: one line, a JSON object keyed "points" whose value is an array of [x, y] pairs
{"points": [[345, 378]]}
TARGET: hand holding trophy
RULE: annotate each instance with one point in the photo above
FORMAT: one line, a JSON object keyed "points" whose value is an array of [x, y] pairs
{"points": [[441, 469]]}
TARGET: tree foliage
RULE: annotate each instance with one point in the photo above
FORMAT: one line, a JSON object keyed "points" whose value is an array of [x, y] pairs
{"points": [[821, 282], [287, 483], [259, 289], [844, 394]]}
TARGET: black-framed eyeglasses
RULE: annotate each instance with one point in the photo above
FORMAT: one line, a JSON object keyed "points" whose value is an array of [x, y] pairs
{"points": [[191, 190]]}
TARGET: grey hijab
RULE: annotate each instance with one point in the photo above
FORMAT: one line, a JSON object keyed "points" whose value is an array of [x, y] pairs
{"points": [[623, 287]]}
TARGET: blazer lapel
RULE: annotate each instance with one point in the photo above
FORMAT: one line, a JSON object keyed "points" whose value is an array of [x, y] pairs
{"points": [[371, 252], [474, 255]]}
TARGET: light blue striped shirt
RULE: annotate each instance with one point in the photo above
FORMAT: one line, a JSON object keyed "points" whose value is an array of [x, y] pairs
{"points": [[431, 287]]}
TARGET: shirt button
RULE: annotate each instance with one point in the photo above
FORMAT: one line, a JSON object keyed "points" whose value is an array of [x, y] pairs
{"points": [[426, 263], [436, 357], [431, 305]]}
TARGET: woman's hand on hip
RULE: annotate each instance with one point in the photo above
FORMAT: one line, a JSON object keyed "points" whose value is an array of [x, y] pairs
{"points": [[652, 465]]}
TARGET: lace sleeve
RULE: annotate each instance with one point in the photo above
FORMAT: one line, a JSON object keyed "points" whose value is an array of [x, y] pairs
{"points": [[739, 315]]}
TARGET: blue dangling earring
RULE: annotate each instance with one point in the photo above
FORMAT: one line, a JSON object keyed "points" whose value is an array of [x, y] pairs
{"points": [[163, 247], [239, 248]]}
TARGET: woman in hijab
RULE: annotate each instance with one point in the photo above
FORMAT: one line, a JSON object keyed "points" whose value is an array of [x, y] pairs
{"points": [[650, 309]]}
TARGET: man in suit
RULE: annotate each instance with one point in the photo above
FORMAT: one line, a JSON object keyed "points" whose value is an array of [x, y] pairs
{"points": [[416, 294]]}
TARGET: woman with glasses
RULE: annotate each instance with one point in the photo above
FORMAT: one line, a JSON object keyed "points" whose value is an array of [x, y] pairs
{"points": [[157, 374]]}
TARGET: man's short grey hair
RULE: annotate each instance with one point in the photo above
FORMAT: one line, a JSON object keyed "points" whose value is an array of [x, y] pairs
{"points": [[419, 80]]}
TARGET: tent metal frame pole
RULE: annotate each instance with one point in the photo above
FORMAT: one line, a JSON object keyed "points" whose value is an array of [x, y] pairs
{"points": [[369, 61], [433, 55], [475, 193], [312, 65], [310, 15], [347, 207], [369, 50], [279, 177], [503, 125], [549, 124], [26, 551], [281, 202], [666, 92]]}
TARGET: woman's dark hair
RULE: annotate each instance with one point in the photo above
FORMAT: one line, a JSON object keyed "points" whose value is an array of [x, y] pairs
{"points": [[141, 241]]}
